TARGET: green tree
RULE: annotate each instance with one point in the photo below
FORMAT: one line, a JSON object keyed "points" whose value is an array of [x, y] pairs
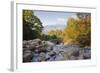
{"points": [[32, 26]]}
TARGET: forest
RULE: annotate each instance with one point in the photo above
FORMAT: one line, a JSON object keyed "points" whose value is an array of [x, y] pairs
{"points": [[74, 39]]}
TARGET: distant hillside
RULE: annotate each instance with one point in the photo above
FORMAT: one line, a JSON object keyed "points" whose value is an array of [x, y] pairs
{"points": [[48, 28]]}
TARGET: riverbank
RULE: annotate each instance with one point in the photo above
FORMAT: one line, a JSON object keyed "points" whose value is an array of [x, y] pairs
{"points": [[37, 51]]}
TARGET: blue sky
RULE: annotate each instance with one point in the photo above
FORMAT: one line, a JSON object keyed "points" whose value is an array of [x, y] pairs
{"points": [[53, 18]]}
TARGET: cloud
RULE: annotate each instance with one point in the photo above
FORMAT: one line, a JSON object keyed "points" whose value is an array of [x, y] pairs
{"points": [[61, 20]]}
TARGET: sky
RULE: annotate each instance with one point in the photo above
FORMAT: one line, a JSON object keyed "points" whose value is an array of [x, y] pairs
{"points": [[53, 17]]}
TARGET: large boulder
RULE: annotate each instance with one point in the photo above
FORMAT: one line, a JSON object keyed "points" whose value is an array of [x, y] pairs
{"points": [[85, 53], [69, 51], [33, 44]]}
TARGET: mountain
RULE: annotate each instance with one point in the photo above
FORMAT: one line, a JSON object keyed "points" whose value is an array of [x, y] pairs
{"points": [[48, 28]]}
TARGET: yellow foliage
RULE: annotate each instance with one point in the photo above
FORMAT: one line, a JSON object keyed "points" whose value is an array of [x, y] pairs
{"points": [[73, 29]]}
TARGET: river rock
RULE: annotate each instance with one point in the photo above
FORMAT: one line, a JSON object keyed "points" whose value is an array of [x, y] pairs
{"points": [[59, 57], [42, 56], [37, 50], [73, 58], [27, 56], [49, 48], [51, 53], [86, 53], [35, 57]]}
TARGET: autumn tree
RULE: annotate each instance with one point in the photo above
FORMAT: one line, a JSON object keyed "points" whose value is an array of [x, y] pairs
{"points": [[71, 29], [78, 30], [84, 38]]}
